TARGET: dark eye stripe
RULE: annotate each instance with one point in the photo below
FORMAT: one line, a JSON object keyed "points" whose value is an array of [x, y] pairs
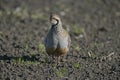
{"points": [[54, 19]]}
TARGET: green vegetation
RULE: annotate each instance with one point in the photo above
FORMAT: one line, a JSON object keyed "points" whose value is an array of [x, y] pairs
{"points": [[91, 54], [46, 59], [78, 30], [1, 13], [22, 61], [26, 47], [38, 15], [77, 65], [1, 33], [21, 12], [76, 47], [32, 53], [61, 72], [41, 48]]}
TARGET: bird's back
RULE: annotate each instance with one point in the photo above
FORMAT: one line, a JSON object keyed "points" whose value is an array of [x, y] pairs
{"points": [[57, 43]]}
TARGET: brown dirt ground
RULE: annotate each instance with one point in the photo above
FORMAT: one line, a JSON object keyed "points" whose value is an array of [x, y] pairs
{"points": [[92, 24]]}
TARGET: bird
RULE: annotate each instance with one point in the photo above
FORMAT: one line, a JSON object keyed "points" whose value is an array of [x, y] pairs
{"points": [[57, 41]]}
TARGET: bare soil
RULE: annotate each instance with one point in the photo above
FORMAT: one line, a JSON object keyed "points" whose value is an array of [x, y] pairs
{"points": [[92, 24]]}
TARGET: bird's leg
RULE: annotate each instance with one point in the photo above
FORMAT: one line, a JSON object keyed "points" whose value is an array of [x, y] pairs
{"points": [[50, 58], [53, 59], [64, 58], [58, 59]]}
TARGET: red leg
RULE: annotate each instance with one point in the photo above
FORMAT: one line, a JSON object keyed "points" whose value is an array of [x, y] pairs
{"points": [[58, 59]]}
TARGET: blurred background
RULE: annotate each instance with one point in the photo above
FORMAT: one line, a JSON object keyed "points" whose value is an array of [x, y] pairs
{"points": [[94, 29]]}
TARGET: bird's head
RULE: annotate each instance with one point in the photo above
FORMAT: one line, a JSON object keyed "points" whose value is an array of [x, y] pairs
{"points": [[54, 19]]}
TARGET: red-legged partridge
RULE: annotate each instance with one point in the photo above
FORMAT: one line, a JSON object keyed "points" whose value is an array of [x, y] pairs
{"points": [[57, 42]]}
